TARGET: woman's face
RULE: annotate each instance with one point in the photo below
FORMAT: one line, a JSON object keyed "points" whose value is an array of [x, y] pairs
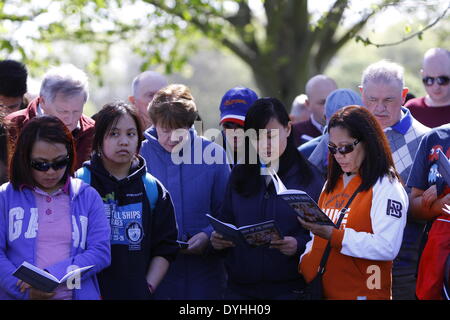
{"points": [[272, 140], [42, 154], [351, 161], [121, 142]]}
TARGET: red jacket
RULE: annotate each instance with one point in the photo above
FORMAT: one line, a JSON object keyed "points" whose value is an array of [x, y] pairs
{"points": [[83, 135]]}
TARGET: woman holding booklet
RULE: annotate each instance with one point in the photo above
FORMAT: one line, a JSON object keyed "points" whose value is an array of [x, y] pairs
{"points": [[266, 272], [48, 218], [361, 168]]}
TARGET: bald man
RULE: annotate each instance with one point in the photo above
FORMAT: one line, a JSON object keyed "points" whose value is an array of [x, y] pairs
{"points": [[433, 109], [143, 88], [317, 90]]}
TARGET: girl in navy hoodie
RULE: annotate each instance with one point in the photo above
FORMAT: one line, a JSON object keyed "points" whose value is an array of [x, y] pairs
{"points": [[138, 207], [267, 272]]}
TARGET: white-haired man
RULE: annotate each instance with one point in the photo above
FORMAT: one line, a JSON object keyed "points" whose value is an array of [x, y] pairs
{"points": [[143, 88], [433, 109], [63, 93], [383, 93]]}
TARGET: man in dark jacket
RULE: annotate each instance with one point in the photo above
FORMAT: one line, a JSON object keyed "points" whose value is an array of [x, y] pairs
{"points": [[63, 93]]}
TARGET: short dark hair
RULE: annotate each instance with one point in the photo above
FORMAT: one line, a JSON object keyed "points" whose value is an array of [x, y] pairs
{"points": [[44, 128], [173, 107], [13, 78], [362, 125], [108, 117]]}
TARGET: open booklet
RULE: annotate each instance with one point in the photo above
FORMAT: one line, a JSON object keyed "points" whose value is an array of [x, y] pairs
{"points": [[305, 207], [444, 166], [255, 235], [41, 279]]}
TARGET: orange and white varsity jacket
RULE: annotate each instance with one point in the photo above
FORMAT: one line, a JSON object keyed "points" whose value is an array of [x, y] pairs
{"points": [[362, 250]]}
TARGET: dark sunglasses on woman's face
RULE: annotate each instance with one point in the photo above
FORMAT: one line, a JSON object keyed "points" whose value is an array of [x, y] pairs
{"points": [[441, 80], [45, 166], [344, 149]]}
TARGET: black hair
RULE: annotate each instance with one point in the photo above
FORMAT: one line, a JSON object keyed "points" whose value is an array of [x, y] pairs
{"points": [[245, 178], [13, 78], [45, 128], [108, 117], [377, 163]]}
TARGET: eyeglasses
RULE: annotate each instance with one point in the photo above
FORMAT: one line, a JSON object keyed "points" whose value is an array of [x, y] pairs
{"points": [[45, 166], [344, 149], [441, 80]]}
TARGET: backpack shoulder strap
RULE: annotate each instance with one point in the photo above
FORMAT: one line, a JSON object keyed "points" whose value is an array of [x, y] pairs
{"points": [[151, 189], [84, 174]]}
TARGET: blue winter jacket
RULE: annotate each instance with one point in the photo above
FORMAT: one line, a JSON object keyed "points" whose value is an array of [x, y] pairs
{"points": [[197, 187], [263, 272], [90, 238]]}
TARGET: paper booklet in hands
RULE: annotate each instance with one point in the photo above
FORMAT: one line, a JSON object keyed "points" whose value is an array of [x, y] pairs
{"points": [[255, 235], [305, 207], [41, 279]]}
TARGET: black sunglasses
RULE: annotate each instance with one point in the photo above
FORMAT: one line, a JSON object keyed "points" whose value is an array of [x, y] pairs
{"points": [[45, 166], [344, 149], [441, 80]]}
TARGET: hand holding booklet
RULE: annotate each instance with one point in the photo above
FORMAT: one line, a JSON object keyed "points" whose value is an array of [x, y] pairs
{"points": [[305, 207], [41, 279], [254, 235]]}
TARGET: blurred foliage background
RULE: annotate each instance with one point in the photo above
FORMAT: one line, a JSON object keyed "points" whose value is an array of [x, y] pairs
{"points": [[66, 32]]}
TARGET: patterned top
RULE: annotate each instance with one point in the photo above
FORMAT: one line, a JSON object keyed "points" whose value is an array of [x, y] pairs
{"points": [[404, 138]]}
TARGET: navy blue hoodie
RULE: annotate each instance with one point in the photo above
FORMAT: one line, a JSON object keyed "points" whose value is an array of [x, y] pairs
{"points": [[137, 233], [262, 272]]}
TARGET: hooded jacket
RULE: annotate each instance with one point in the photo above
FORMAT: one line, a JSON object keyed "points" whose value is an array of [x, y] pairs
{"points": [[197, 186], [83, 135], [263, 272], [137, 233], [18, 231]]}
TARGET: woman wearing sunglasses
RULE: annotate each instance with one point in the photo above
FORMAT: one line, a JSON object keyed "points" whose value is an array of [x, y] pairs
{"points": [[48, 218], [360, 261]]}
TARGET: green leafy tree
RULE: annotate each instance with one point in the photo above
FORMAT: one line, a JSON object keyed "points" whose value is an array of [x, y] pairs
{"points": [[281, 41]]}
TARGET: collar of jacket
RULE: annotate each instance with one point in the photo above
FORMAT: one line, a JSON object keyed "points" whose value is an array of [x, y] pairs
{"points": [[405, 122]]}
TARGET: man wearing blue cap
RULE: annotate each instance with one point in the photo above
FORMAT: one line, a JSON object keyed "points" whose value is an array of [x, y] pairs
{"points": [[233, 109]]}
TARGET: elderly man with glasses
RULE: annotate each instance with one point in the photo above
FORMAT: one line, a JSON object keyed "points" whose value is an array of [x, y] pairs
{"points": [[383, 94], [433, 109]]}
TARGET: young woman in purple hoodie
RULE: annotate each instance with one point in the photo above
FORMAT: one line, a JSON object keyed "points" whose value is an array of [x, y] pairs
{"points": [[48, 218]]}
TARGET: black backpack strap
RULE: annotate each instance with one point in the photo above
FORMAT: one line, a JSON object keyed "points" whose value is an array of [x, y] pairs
{"points": [[326, 253]]}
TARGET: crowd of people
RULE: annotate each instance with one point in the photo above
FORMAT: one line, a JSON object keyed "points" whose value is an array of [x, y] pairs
{"points": [[128, 190]]}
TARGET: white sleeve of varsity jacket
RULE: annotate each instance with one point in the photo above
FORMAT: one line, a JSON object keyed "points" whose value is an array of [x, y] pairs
{"points": [[388, 216]]}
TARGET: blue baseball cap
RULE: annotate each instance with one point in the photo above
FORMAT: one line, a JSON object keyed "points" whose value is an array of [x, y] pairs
{"points": [[235, 104]]}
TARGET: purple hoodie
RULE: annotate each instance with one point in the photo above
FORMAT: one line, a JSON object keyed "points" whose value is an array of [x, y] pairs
{"points": [[90, 238]]}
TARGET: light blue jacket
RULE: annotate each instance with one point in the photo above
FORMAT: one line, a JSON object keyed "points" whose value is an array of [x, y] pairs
{"points": [[90, 238], [197, 187]]}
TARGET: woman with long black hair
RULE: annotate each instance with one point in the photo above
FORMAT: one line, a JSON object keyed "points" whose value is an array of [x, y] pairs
{"points": [[267, 272]]}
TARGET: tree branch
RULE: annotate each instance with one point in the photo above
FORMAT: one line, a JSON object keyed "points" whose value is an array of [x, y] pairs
{"points": [[415, 34]]}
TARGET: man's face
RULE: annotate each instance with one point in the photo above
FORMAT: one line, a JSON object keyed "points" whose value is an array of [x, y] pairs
{"points": [[384, 101], [316, 99], [10, 104], [435, 67], [144, 95], [67, 108], [234, 134]]}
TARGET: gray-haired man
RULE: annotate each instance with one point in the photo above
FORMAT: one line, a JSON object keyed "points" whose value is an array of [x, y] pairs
{"points": [[383, 93], [63, 93], [143, 88]]}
